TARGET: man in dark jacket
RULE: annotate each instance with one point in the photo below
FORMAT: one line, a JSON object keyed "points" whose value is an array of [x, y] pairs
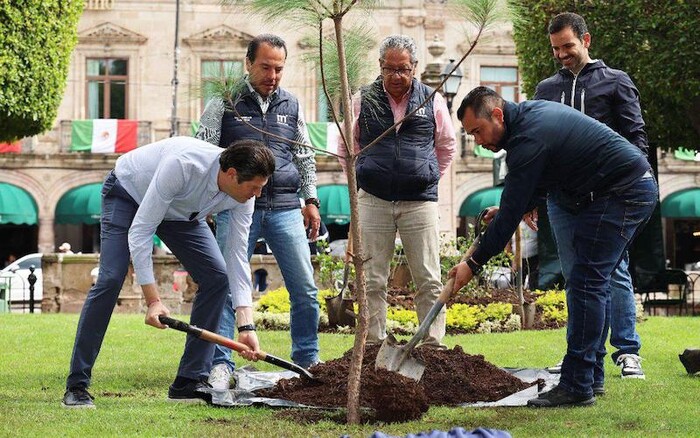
{"points": [[278, 117], [398, 180], [585, 168], [609, 96]]}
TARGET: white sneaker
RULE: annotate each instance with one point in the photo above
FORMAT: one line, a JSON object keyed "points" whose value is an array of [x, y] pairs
{"points": [[220, 377], [631, 366]]}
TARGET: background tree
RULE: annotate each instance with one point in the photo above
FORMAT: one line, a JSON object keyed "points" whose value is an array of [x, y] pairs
{"points": [[656, 42], [36, 41], [341, 54]]}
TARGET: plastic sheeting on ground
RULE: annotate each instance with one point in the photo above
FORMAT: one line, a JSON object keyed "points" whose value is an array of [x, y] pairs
{"points": [[249, 380]]}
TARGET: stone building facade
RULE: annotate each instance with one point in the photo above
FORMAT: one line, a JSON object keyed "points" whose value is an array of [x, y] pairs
{"points": [[158, 86]]}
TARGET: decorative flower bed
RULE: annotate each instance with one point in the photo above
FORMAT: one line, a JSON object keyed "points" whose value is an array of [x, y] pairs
{"points": [[495, 310]]}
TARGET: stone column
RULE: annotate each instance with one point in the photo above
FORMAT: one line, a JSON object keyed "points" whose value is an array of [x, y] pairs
{"points": [[46, 239]]}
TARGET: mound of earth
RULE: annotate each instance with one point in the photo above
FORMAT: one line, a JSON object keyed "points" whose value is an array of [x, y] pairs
{"points": [[451, 377]]}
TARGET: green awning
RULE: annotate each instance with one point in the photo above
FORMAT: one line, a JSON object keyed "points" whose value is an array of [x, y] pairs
{"points": [[684, 203], [81, 205], [335, 204], [478, 201], [17, 206]]}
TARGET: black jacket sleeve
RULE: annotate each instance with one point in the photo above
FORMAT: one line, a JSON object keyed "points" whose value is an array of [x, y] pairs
{"points": [[628, 113]]}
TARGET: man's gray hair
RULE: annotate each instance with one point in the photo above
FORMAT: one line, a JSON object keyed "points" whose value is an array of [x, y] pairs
{"points": [[399, 42]]}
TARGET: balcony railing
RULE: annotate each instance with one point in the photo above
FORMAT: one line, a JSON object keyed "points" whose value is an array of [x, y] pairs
{"points": [[99, 4]]}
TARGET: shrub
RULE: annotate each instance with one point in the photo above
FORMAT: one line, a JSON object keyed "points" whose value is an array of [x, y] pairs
{"points": [[553, 305], [271, 321], [330, 268], [275, 301], [498, 311], [463, 316], [37, 38], [402, 316]]}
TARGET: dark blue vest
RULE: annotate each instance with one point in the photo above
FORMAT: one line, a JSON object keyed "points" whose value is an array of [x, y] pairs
{"points": [[402, 166], [281, 119]]}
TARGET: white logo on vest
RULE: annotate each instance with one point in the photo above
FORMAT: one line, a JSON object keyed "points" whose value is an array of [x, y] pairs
{"points": [[282, 119]]}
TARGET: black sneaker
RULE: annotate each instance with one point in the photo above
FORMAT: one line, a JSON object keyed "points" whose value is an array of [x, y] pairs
{"points": [[77, 398], [558, 397], [195, 391], [598, 389]]}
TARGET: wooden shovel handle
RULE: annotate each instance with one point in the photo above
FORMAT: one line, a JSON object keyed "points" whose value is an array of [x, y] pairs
{"points": [[206, 335]]}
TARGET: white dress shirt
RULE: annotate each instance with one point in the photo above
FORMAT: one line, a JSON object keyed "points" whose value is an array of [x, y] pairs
{"points": [[176, 180]]}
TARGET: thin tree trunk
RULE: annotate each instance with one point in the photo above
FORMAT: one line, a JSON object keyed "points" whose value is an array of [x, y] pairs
{"points": [[518, 266], [353, 406]]}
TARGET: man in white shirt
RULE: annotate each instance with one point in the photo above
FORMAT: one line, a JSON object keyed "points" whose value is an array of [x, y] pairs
{"points": [[169, 187]]}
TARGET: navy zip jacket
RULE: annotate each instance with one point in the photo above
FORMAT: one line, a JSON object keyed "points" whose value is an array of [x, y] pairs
{"points": [[606, 94], [556, 149]]}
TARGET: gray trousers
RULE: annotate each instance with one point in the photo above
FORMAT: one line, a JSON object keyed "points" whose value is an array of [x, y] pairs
{"points": [[418, 225], [195, 247]]}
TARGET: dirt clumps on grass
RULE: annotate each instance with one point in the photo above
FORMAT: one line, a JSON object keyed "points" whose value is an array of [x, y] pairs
{"points": [[451, 377]]}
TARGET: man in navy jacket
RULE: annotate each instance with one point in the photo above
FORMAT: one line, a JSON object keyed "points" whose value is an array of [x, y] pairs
{"points": [[586, 168], [609, 96]]}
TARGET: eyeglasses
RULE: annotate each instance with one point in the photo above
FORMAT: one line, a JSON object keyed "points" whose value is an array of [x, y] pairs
{"points": [[404, 72]]}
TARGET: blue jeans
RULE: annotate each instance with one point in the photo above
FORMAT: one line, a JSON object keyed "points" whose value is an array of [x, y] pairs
{"points": [[284, 232], [621, 312], [592, 246], [193, 245]]}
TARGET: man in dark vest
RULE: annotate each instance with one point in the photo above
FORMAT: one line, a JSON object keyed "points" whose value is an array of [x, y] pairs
{"points": [[277, 115], [398, 180]]}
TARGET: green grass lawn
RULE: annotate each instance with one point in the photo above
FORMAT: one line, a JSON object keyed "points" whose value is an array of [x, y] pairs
{"points": [[137, 363]]}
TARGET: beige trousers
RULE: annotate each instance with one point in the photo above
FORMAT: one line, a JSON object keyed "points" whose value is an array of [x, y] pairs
{"points": [[418, 225]]}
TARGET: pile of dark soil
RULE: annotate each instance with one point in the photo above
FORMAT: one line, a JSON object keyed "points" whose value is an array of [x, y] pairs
{"points": [[451, 377]]}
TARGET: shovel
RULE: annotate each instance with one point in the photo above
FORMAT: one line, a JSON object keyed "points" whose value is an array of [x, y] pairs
{"points": [[208, 336], [397, 358], [340, 309]]}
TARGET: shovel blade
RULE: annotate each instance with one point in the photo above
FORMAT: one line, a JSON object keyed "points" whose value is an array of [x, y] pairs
{"points": [[394, 357]]}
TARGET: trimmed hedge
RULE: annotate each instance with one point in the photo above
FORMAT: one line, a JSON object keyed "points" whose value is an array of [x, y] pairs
{"points": [[36, 41], [656, 42]]}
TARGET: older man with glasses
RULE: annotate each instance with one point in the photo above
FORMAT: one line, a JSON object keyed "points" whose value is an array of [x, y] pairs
{"points": [[398, 180]]}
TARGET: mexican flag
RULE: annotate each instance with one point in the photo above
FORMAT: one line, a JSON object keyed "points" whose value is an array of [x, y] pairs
{"points": [[324, 135], [103, 135]]}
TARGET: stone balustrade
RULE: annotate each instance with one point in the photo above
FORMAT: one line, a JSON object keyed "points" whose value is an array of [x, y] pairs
{"points": [[67, 280]]}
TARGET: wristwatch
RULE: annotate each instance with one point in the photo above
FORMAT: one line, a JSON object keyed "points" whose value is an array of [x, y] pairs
{"points": [[474, 266], [313, 201], [246, 328]]}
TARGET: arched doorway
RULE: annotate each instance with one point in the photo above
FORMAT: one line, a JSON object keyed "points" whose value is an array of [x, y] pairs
{"points": [[78, 218], [19, 228], [681, 210]]}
